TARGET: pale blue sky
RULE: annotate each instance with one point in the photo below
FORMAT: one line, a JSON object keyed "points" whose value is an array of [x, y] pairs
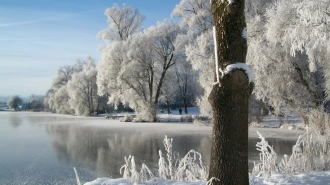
{"points": [[39, 36]]}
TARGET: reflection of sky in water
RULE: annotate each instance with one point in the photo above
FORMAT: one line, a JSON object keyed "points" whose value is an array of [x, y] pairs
{"points": [[38, 153], [104, 149]]}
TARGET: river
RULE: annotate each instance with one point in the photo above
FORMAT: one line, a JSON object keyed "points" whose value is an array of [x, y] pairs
{"points": [[43, 148]]}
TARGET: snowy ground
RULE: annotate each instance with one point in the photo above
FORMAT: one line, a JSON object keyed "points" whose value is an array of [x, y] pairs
{"points": [[317, 178], [289, 123]]}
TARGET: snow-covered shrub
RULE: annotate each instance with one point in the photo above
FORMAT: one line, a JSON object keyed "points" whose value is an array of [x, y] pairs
{"points": [[146, 113], [127, 118], [162, 167], [189, 168], [213, 179], [311, 151], [309, 148], [187, 118], [202, 120], [168, 147], [77, 176], [319, 136], [267, 165], [319, 122], [297, 161], [129, 171], [145, 173]]}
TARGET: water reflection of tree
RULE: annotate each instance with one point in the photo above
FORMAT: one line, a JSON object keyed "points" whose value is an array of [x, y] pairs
{"points": [[36, 119], [103, 150], [282, 146], [15, 120], [39, 118], [99, 149]]}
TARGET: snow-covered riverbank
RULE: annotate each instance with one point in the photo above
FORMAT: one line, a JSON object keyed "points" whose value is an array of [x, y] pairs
{"points": [[315, 178], [172, 126]]}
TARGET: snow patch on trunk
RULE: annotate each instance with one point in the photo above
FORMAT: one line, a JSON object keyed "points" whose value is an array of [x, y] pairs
{"points": [[244, 33], [230, 1], [248, 69], [216, 54]]}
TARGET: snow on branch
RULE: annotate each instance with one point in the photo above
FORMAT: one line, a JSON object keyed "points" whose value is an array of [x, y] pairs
{"points": [[230, 1], [216, 54], [248, 69], [244, 33]]}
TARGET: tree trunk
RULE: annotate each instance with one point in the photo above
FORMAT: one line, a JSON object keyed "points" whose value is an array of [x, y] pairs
{"points": [[229, 152], [168, 106], [185, 105], [154, 112], [229, 99]]}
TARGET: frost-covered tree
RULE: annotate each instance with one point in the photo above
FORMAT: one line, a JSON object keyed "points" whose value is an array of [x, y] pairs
{"points": [[181, 86], [163, 38], [82, 90], [133, 71], [197, 20], [60, 101], [36, 101], [58, 98], [122, 23], [186, 79], [187, 82], [14, 102], [47, 99], [170, 91], [196, 14], [109, 67], [74, 90], [289, 49], [64, 74]]}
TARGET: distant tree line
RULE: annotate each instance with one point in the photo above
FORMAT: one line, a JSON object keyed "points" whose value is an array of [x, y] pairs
{"points": [[34, 103]]}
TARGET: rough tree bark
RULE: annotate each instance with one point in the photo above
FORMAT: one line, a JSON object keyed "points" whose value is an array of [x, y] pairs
{"points": [[229, 98]]}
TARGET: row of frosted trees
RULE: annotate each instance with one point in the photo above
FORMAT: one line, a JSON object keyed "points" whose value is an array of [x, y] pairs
{"points": [[287, 46], [143, 67], [74, 90], [139, 68]]}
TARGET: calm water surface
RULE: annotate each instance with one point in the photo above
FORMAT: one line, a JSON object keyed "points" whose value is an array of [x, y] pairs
{"points": [[37, 148]]}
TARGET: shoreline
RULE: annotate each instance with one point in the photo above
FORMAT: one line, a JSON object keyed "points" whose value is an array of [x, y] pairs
{"points": [[173, 127]]}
